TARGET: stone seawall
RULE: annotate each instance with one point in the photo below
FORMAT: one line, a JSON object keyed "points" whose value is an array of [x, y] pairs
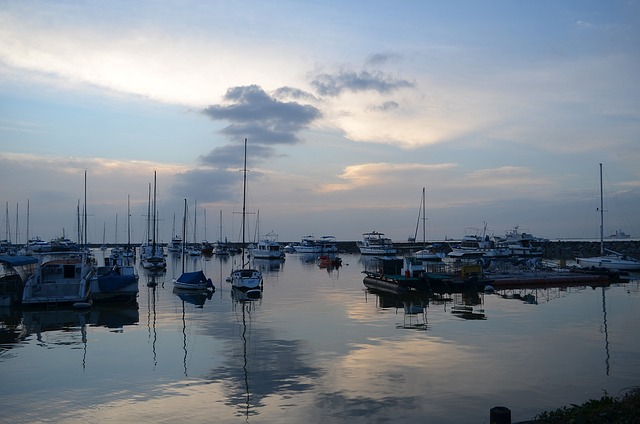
{"points": [[552, 249]]}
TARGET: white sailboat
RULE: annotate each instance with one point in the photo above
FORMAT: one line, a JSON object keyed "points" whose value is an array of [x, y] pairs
{"points": [[610, 260], [245, 279], [153, 255]]}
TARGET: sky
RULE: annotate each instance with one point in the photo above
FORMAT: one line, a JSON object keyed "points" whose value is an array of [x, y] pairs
{"points": [[501, 110]]}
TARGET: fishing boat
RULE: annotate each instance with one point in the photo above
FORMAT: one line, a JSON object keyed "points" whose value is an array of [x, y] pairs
{"points": [[195, 280], [244, 279], [375, 243], [61, 278], [608, 259]]}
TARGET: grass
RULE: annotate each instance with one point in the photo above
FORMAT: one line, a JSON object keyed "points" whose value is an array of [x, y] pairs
{"points": [[620, 410]]}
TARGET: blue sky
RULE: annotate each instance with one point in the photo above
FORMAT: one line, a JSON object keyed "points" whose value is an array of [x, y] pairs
{"points": [[502, 110]]}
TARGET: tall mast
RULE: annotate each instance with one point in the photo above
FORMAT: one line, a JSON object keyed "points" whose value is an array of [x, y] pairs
{"points": [[7, 234], [154, 214], [149, 217], [85, 208], [195, 217], [424, 221], [79, 225], [601, 216], [184, 233], [244, 198], [27, 224], [128, 221], [17, 207]]}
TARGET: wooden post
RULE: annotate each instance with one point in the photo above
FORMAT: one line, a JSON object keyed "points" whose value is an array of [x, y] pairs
{"points": [[500, 415]]}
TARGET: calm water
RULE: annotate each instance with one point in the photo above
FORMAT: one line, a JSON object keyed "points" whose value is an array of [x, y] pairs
{"points": [[317, 348]]}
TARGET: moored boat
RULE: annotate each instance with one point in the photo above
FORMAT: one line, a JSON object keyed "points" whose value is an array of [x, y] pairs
{"points": [[268, 248], [115, 281], [608, 259], [14, 270], [375, 243], [247, 281], [62, 278]]}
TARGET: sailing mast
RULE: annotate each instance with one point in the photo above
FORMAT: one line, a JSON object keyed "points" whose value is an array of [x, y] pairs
{"points": [[154, 214], [85, 209], [601, 216], [424, 221], [128, 222], [184, 233], [244, 199]]}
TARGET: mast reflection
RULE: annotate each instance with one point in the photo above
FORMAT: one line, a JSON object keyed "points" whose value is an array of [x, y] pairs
{"points": [[245, 302]]}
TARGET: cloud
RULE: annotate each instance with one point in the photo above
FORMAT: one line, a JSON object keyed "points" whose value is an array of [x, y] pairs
{"points": [[382, 173], [255, 114], [382, 58], [333, 85]]}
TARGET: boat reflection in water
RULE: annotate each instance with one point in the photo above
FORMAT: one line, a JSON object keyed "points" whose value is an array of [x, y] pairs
{"points": [[62, 326], [245, 302]]}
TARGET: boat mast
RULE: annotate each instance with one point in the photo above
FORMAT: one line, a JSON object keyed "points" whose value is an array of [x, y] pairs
{"points": [[85, 209], [17, 207], [424, 221], [153, 242], [244, 198], [601, 216], [149, 217], [184, 232], [27, 244], [128, 222], [7, 235]]}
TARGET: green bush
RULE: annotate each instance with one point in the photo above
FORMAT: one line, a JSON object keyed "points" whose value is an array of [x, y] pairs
{"points": [[622, 410]]}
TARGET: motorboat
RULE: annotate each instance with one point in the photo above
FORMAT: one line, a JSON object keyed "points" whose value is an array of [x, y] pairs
{"points": [[267, 248], [375, 243], [60, 277], [310, 244]]}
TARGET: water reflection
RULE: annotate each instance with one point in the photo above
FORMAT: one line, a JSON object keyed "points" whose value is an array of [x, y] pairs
{"points": [[62, 327], [246, 304]]}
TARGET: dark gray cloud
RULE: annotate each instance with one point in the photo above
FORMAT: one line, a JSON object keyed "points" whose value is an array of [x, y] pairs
{"points": [[255, 114], [264, 120], [207, 184], [232, 155], [333, 85], [382, 58], [294, 93], [386, 106]]}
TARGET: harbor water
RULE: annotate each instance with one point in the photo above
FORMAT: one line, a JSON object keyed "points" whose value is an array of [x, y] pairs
{"points": [[317, 347]]}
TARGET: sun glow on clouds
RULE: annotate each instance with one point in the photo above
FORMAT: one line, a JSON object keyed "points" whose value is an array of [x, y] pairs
{"points": [[140, 60], [371, 174]]}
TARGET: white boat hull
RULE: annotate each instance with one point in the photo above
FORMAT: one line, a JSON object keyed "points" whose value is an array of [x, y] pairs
{"points": [[609, 262]]}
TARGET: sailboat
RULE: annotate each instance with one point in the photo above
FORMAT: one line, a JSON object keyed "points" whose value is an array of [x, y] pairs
{"points": [[190, 280], [610, 260], [426, 253], [153, 256], [129, 252], [244, 279]]}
